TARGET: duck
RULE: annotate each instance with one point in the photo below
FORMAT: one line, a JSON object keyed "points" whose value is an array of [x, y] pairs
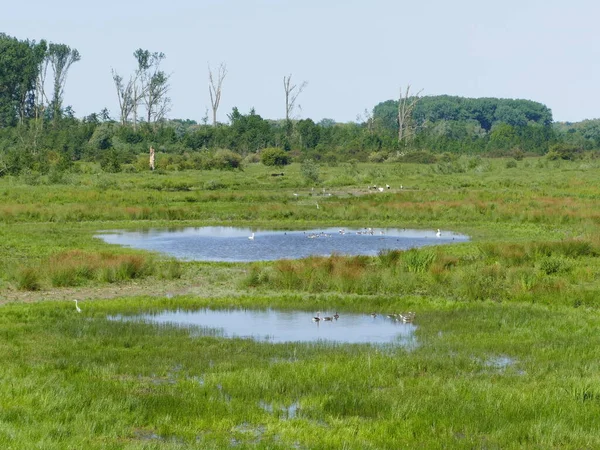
{"points": [[327, 318], [317, 318], [373, 314], [336, 316]]}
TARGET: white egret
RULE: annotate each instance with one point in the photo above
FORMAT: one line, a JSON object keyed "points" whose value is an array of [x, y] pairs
{"points": [[77, 306], [439, 233]]}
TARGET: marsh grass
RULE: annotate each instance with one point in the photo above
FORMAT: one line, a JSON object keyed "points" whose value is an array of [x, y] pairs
{"points": [[481, 375], [556, 272], [28, 279]]}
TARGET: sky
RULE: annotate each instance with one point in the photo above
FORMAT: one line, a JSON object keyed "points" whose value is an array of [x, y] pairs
{"points": [[352, 54]]}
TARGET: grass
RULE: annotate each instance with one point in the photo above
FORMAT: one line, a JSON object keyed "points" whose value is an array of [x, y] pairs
{"points": [[486, 374], [507, 323]]}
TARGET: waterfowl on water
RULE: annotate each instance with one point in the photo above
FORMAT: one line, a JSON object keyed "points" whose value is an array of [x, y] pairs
{"points": [[251, 237], [336, 316], [373, 314], [439, 233], [407, 317], [317, 318], [327, 319]]}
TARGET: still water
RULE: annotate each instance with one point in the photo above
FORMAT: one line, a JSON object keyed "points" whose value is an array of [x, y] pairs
{"points": [[245, 244], [286, 326]]}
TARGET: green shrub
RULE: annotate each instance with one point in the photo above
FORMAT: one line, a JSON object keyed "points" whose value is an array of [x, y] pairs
{"points": [[227, 160], [274, 157], [310, 171], [564, 151], [419, 157]]}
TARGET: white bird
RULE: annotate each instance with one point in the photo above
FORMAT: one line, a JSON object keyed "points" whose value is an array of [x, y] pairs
{"points": [[295, 195], [251, 237], [387, 186], [380, 189], [317, 206], [439, 233], [77, 306], [316, 318]]}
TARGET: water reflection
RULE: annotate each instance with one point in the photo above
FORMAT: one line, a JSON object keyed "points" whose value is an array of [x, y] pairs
{"points": [[244, 244], [286, 326]]}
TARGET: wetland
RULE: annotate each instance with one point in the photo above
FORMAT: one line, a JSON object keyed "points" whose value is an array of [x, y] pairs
{"points": [[503, 351]]}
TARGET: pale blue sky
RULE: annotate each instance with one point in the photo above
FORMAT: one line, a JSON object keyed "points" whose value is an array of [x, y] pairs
{"points": [[353, 54]]}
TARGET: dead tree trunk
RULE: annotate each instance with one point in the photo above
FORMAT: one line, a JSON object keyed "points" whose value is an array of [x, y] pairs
{"points": [[290, 95], [214, 88]]}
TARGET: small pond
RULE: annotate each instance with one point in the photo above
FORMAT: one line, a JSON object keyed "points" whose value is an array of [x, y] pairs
{"points": [[231, 244], [286, 326]]}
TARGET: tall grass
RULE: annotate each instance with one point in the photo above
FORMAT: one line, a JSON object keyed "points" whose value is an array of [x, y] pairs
{"points": [[76, 268]]}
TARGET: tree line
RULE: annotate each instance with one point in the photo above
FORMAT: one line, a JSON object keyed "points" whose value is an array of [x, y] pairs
{"points": [[38, 132]]}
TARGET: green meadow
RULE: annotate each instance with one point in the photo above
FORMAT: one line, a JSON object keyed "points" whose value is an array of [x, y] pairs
{"points": [[508, 349]]}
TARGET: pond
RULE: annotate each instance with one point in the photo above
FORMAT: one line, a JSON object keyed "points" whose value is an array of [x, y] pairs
{"points": [[286, 326], [230, 244]]}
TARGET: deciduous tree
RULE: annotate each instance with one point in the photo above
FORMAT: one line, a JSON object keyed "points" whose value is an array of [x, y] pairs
{"points": [[61, 58], [406, 104]]}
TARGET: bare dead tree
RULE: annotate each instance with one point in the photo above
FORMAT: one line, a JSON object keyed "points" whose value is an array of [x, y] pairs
{"points": [[406, 104], [291, 94], [214, 88]]}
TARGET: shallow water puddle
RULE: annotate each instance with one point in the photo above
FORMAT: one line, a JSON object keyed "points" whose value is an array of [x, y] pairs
{"points": [[244, 244], [283, 412], [286, 326]]}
